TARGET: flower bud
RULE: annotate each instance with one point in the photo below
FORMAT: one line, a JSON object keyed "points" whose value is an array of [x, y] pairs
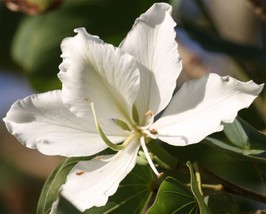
{"points": [[32, 7]]}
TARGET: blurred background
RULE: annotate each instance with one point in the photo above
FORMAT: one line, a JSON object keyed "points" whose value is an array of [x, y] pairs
{"points": [[226, 37]]}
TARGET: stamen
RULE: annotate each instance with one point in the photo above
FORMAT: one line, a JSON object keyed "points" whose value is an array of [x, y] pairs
{"points": [[149, 113], [153, 131], [145, 150], [80, 173], [149, 120], [101, 133]]}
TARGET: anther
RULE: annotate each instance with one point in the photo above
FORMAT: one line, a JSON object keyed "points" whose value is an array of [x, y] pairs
{"points": [[149, 120], [80, 173], [104, 159], [149, 113], [99, 157], [153, 131]]}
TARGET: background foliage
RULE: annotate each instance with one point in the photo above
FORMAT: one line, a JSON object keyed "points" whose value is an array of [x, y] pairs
{"points": [[226, 173]]}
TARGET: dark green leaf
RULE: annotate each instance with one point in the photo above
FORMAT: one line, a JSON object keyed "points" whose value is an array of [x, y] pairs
{"points": [[65, 207], [174, 197], [220, 203]]}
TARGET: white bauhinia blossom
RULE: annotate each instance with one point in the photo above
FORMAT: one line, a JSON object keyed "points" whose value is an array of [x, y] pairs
{"points": [[110, 97]]}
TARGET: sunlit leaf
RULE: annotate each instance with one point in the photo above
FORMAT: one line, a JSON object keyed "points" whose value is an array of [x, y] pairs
{"points": [[236, 134], [243, 135], [244, 140]]}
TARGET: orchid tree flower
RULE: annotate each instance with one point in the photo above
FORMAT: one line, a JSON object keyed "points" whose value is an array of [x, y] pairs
{"points": [[111, 98]]}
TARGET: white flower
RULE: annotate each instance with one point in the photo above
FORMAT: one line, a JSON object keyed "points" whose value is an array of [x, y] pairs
{"points": [[121, 90]]}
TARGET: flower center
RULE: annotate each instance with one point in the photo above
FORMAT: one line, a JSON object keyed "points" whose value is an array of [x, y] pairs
{"points": [[145, 130], [139, 132]]}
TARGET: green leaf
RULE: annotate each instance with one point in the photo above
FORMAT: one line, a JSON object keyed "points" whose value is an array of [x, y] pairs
{"points": [[244, 140], [195, 188], [52, 185], [243, 135], [174, 197], [236, 134], [133, 194]]}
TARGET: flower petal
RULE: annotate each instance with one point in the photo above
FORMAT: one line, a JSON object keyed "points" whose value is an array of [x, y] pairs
{"points": [[93, 71], [200, 106], [152, 42], [42, 122], [90, 183]]}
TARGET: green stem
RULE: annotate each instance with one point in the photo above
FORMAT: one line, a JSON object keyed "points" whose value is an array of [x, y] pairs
{"points": [[215, 187], [235, 189], [229, 187]]}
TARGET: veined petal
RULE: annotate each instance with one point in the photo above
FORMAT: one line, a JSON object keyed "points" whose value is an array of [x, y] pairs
{"points": [[42, 122], [99, 73], [201, 106], [152, 43], [90, 183]]}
